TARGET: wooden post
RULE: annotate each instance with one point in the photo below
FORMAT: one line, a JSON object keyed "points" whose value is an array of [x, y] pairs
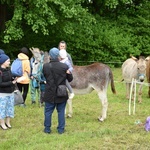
{"points": [[134, 96]]}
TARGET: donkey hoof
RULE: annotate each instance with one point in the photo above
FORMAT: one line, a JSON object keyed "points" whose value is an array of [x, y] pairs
{"points": [[69, 116], [100, 119]]}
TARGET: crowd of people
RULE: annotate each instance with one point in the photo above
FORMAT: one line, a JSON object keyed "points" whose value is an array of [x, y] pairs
{"points": [[43, 81]]}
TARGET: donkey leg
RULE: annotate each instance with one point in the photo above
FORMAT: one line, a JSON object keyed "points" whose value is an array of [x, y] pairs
{"points": [[128, 87], [133, 92], [149, 92], [103, 97], [69, 108], [140, 93]]}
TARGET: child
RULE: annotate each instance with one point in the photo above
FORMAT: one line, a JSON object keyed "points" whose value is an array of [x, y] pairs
{"points": [[64, 59]]}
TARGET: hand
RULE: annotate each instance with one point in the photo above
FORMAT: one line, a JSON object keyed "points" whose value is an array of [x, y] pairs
{"points": [[14, 81], [31, 77], [68, 72]]}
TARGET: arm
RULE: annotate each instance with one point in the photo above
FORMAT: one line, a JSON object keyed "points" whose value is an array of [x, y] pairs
{"points": [[6, 83], [70, 59], [69, 77], [42, 79], [70, 66], [27, 67]]}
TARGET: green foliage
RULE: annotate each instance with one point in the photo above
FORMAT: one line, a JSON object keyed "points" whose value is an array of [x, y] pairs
{"points": [[108, 43], [96, 30], [136, 23], [40, 15]]}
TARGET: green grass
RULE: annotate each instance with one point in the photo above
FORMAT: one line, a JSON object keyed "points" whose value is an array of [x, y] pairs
{"points": [[83, 131]]}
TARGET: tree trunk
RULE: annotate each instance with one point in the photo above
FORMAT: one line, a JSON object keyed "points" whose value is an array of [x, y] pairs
{"points": [[2, 17]]}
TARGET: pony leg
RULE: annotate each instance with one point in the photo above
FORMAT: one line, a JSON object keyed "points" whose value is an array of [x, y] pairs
{"points": [[104, 102], [149, 92], [128, 86], [69, 108], [133, 90], [140, 93]]}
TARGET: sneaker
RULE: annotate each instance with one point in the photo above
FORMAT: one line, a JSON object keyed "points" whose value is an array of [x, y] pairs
{"points": [[22, 105], [61, 132], [47, 131], [71, 95]]}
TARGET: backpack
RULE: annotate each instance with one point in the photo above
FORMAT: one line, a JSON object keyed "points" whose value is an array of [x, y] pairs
{"points": [[147, 124], [16, 68]]}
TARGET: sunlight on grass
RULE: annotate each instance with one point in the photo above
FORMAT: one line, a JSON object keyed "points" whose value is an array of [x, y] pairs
{"points": [[83, 130]]}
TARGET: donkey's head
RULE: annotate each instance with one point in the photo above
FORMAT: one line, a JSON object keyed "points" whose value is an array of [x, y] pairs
{"points": [[141, 67], [36, 53]]}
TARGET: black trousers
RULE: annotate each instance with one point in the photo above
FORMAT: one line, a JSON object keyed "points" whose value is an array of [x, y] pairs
{"points": [[23, 88]]}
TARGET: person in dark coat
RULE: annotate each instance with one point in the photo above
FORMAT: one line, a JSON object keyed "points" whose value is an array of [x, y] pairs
{"points": [[55, 74], [7, 88]]}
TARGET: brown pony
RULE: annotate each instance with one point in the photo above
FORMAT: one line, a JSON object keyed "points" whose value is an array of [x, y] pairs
{"points": [[96, 76]]}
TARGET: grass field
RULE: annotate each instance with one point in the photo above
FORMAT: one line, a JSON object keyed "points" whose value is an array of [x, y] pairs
{"points": [[83, 131]]}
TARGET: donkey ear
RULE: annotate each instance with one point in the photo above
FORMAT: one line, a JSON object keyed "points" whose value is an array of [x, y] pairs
{"points": [[31, 49], [147, 58], [134, 58]]}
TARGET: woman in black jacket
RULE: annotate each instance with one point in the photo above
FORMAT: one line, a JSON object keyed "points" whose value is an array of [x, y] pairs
{"points": [[55, 74], [6, 93]]}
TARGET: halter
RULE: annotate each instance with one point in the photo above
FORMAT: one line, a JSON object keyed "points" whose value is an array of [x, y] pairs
{"points": [[140, 75]]}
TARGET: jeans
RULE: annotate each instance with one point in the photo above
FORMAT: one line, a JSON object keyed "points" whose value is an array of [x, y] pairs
{"points": [[49, 108]]}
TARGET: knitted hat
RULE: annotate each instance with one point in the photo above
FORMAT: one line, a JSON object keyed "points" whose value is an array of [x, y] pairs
{"points": [[3, 58], [54, 53], [2, 51], [25, 51], [63, 53]]}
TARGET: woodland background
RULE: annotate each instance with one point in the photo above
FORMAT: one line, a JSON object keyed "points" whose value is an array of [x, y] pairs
{"points": [[95, 30]]}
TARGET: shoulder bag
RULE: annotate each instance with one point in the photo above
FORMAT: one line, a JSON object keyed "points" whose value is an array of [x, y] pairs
{"points": [[18, 99]]}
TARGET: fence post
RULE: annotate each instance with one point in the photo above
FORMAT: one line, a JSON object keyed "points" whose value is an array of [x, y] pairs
{"points": [[134, 96]]}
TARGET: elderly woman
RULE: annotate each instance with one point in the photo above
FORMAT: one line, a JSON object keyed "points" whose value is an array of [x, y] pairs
{"points": [[55, 74], [6, 92]]}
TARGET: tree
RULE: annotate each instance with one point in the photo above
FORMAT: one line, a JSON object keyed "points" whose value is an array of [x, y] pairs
{"points": [[95, 30], [43, 16]]}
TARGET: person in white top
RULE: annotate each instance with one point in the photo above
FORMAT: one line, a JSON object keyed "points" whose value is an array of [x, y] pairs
{"points": [[64, 59]]}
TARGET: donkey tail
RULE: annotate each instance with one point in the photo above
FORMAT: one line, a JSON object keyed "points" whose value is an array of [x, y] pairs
{"points": [[112, 82]]}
